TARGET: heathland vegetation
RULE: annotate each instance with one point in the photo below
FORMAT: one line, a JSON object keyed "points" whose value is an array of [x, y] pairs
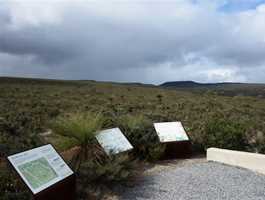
{"points": [[76, 110]]}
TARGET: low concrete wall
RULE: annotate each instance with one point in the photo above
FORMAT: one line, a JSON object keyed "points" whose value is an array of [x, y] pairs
{"points": [[252, 161]]}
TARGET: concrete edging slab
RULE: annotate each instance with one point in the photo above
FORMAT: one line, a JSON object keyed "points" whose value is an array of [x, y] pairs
{"points": [[252, 161]]}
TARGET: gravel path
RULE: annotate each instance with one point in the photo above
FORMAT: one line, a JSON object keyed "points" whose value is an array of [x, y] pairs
{"points": [[200, 181]]}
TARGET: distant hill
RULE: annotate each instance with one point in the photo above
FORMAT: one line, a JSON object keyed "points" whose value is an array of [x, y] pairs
{"points": [[225, 88], [39, 81], [192, 84]]}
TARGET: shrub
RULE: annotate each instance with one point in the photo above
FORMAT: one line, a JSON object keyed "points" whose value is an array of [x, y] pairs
{"points": [[13, 144], [160, 98], [91, 163], [10, 187], [97, 178], [102, 172], [141, 134], [114, 168], [82, 128], [222, 133]]}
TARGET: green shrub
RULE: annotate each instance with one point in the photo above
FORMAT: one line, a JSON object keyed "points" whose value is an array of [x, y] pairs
{"points": [[11, 188], [95, 178], [140, 132], [222, 133], [13, 144], [114, 168], [16, 134], [82, 128], [91, 163]]}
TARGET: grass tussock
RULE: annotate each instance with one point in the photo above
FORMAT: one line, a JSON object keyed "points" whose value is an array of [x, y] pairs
{"points": [[82, 128], [91, 164]]}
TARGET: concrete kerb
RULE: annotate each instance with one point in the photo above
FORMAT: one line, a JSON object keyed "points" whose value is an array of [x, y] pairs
{"points": [[251, 161]]}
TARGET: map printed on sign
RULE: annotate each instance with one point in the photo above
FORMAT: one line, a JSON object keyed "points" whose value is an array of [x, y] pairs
{"points": [[40, 167], [170, 132], [113, 141]]}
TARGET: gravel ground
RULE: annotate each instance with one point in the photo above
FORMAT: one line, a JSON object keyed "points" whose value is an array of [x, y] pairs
{"points": [[200, 181]]}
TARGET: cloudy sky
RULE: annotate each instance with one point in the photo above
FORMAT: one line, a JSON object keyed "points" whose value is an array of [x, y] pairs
{"points": [[150, 41]]}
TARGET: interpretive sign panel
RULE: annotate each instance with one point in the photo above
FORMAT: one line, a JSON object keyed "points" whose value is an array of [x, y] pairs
{"points": [[113, 141], [40, 167], [170, 132]]}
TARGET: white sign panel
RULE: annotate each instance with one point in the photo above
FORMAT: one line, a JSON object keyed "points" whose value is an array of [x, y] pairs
{"points": [[170, 132], [113, 141], [40, 167]]}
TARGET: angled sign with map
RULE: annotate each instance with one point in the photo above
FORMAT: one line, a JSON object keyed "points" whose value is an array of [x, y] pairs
{"points": [[171, 132], [40, 168], [113, 141]]}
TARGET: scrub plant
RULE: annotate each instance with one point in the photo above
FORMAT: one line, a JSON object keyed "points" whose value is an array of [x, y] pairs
{"points": [[94, 168], [81, 127], [222, 133], [11, 188], [140, 132]]}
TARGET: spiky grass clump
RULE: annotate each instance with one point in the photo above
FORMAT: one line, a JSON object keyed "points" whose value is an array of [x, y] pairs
{"points": [[93, 167], [82, 128]]}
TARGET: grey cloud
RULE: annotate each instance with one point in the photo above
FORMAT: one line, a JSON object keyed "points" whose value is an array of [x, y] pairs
{"points": [[95, 45], [38, 42]]}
